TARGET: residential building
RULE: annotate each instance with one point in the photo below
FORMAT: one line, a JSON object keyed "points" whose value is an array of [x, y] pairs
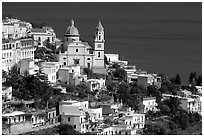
{"points": [[6, 93], [43, 35], [50, 69], [112, 57], [68, 74], [149, 104], [15, 50], [149, 79], [199, 89], [72, 112], [95, 114], [96, 84], [15, 29], [16, 122], [43, 117], [29, 66], [193, 104], [127, 125], [129, 69]]}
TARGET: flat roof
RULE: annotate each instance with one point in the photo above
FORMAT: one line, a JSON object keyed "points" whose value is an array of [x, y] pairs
{"points": [[15, 113]]}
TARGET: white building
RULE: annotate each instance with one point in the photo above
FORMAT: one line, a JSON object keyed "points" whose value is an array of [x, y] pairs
{"points": [[129, 69], [149, 104], [75, 52], [69, 74], [29, 66], [128, 125], [73, 113], [112, 57], [15, 29], [6, 93], [15, 50], [43, 35], [95, 114], [96, 84], [50, 69], [193, 104]]}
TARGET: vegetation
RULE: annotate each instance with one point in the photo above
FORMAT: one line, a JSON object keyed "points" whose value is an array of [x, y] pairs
{"points": [[45, 54], [62, 129], [120, 73]]}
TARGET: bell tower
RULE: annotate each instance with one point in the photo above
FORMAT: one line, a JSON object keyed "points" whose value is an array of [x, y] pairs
{"points": [[99, 46]]}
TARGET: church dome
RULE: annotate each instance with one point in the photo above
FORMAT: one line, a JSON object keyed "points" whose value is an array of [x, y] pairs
{"points": [[71, 30]]}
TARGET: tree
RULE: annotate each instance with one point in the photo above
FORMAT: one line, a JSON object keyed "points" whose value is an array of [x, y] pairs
{"points": [[158, 128], [164, 89], [164, 109], [65, 129], [106, 60], [173, 103], [107, 121], [193, 75], [199, 81], [182, 119], [178, 79], [151, 90], [120, 73], [116, 66], [123, 91]]}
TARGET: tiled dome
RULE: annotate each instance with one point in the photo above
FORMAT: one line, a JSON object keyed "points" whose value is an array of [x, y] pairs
{"points": [[71, 30]]}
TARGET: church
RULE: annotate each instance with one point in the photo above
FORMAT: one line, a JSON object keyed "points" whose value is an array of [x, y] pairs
{"points": [[76, 52]]}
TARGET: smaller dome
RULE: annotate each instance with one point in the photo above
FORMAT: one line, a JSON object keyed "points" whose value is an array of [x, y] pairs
{"points": [[71, 30]]}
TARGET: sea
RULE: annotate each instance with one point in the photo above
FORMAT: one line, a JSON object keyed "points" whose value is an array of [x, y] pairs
{"points": [[159, 37]]}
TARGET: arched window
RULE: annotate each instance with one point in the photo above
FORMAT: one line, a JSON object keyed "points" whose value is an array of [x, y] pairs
{"points": [[99, 54]]}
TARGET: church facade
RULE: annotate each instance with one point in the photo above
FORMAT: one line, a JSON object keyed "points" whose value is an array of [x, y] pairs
{"points": [[76, 52]]}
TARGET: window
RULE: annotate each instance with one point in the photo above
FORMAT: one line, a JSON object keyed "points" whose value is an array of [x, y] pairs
{"points": [[65, 63], [48, 38], [49, 116], [99, 38], [99, 54], [19, 119], [74, 126], [39, 39], [68, 119], [77, 50], [88, 59], [76, 61], [14, 119], [81, 120], [88, 65]]}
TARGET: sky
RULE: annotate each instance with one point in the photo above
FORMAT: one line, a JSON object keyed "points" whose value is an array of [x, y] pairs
{"points": [[157, 37]]}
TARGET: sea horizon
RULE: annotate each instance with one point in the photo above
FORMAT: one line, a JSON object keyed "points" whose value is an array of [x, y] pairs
{"points": [[156, 37]]}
